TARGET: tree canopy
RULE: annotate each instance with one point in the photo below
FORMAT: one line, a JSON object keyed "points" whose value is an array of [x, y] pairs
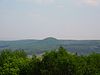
{"points": [[55, 62]]}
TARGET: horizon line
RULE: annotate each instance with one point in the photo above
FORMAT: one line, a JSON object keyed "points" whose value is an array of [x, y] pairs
{"points": [[45, 38]]}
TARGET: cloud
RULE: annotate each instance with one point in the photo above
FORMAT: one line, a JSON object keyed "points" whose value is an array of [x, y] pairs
{"points": [[24, 1], [44, 1], [37, 1], [60, 6], [92, 2], [88, 2]]}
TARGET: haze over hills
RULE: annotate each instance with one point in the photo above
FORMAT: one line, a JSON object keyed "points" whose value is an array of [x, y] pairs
{"points": [[50, 43]]}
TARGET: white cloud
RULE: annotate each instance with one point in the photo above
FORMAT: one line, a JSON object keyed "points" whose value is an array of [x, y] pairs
{"points": [[24, 1], [37, 1], [60, 6], [88, 2], [44, 1], [92, 2]]}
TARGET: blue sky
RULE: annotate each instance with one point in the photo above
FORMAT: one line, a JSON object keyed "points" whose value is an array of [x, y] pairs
{"points": [[37, 19]]}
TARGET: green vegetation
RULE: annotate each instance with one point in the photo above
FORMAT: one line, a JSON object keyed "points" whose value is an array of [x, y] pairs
{"points": [[55, 62], [82, 47]]}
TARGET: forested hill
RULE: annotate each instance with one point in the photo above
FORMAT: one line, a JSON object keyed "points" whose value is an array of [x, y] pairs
{"points": [[40, 46]]}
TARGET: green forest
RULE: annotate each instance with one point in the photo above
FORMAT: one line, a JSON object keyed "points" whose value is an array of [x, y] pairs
{"points": [[54, 62]]}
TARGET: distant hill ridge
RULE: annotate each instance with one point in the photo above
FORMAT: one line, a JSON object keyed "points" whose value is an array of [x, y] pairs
{"points": [[50, 38], [50, 43]]}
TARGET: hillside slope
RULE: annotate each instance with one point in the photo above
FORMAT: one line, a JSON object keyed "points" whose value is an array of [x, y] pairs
{"points": [[39, 46]]}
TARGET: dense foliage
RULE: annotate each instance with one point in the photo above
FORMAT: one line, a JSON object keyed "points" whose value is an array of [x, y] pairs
{"points": [[56, 62]]}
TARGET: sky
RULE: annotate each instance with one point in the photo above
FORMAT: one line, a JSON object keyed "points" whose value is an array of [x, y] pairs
{"points": [[38, 19]]}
